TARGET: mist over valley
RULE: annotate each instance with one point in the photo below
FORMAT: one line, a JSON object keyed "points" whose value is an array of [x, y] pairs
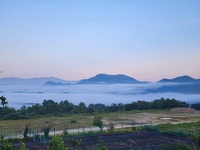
{"points": [[102, 88]]}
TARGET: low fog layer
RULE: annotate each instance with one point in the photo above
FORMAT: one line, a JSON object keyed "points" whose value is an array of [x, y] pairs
{"points": [[19, 95]]}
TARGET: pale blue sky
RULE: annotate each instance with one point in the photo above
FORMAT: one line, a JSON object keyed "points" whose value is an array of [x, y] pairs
{"points": [[76, 39]]}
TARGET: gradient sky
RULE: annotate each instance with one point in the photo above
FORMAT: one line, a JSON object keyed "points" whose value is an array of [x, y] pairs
{"points": [[76, 39]]}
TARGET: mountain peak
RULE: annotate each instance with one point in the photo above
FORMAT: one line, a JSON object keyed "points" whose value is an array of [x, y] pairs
{"points": [[184, 78], [109, 79]]}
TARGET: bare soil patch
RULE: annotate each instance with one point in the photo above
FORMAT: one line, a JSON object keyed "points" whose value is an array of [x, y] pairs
{"points": [[184, 110], [117, 141], [158, 117], [125, 141]]}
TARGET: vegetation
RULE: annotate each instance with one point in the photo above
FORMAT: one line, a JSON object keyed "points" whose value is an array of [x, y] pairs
{"points": [[57, 143], [188, 130], [196, 106], [49, 108], [71, 115], [100, 146], [5, 145], [97, 121], [3, 101]]}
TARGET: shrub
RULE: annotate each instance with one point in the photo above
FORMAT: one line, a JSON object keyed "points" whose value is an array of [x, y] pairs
{"points": [[22, 146], [97, 121], [57, 143], [179, 132], [110, 127], [75, 144], [150, 128], [73, 121], [26, 131], [5, 145], [100, 146], [65, 133], [176, 147]]}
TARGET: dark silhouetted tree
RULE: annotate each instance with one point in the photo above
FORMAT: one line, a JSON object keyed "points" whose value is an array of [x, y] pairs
{"points": [[3, 101]]}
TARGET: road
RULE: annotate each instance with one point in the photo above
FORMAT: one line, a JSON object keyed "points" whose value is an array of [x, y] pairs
{"points": [[81, 130], [73, 131]]}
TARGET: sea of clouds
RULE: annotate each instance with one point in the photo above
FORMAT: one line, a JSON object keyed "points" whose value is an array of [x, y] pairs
{"points": [[19, 95]]}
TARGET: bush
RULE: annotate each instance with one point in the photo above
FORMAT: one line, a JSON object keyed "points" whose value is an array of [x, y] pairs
{"points": [[179, 132], [73, 121], [150, 128], [176, 147], [97, 121], [100, 146], [22, 146], [5, 145], [57, 143], [14, 116], [65, 133]]}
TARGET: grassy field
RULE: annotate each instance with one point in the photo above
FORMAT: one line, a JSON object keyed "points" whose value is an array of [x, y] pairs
{"points": [[74, 121]]}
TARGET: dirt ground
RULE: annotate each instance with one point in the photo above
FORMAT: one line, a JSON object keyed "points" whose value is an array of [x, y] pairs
{"points": [[125, 141], [122, 141], [136, 140], [157, 117]]}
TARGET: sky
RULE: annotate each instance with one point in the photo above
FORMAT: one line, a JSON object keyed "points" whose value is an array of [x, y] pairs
{"points": [[76, 39]]}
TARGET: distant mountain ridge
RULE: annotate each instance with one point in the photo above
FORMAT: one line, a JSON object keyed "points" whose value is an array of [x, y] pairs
{"points": [[98, 79], [181, 79], [191, 88], [51, 83], [30, 81], [182, 84], [110, 79]]}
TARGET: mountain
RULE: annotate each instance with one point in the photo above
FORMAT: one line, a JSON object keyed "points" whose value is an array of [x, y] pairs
{"points": [[187, 88], [182, 84], [51, 83], [30, 81], [181, 79], [110, 79]]}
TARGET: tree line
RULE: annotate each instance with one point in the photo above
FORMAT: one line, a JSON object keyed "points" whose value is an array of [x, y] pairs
{"points": [[50, 107]]}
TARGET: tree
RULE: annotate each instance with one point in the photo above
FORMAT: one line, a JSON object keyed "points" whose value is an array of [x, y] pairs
{"points": [[81, 107], [97, 121], [26, 132], [3, 101], [50, 106], [65, 107]]}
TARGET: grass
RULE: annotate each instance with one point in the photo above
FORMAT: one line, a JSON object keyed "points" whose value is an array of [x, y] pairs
{"points": [[184, 126], [9, 127], [74, 121], [189, 130]]}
